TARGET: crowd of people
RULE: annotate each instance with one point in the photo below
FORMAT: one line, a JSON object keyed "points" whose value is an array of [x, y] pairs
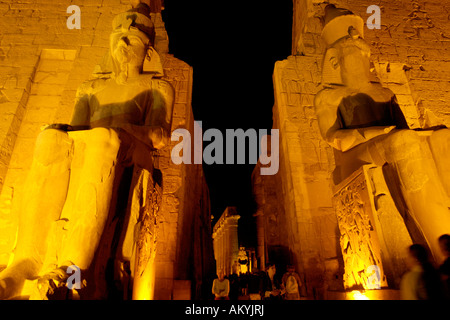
{"points": [[422, 282], [258, 285]]}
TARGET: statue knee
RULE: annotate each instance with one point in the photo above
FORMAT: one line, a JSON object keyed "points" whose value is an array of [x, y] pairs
{"points": [[441, 137], [403, 144], [404, 137], [105, 140], [440, 149], [52, 146]]}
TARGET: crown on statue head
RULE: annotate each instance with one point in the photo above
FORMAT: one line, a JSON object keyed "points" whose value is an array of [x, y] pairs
{"points": [[138, 17], [341, 23]]}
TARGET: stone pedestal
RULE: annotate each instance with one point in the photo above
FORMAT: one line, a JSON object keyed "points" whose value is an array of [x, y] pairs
{"points": [[373, 235], [358, 237], [384, 294]]}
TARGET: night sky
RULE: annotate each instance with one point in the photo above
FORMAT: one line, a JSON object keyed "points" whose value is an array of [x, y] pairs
{"points": [[232, 47]]}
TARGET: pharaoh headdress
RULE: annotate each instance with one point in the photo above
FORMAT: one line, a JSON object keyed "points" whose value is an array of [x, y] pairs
{"points": [[138, 21]]}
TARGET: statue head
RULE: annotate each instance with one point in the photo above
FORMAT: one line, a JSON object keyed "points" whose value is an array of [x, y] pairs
{"points": [[347, 59], [132, 39]]}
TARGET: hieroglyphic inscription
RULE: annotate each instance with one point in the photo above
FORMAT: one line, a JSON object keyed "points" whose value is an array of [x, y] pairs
{"points": [[146, 242], [358, 239]]}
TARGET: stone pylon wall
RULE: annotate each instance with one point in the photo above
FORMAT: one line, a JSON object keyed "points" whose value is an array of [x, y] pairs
{"points": [[410, 55]]}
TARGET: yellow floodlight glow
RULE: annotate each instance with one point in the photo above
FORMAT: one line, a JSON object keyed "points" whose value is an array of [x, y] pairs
{"points": [[357, 295]]}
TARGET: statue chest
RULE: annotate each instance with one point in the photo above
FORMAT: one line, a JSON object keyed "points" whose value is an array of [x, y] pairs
{"points": [[120, 104]]}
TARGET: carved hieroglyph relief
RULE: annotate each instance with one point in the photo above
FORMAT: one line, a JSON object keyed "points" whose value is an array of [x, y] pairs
{"points": [[358, 239]]}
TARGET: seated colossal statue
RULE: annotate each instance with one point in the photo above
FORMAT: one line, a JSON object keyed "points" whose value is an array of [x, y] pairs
{"points": [[362, 121], [118, 121]]}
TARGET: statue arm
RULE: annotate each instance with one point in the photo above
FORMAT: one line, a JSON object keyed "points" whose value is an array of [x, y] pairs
{"points": [[331, 128], [160, 117], [346, 139], [81, 114]]}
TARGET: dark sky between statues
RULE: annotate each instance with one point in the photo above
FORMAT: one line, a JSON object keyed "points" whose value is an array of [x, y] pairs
{"points": [[232, 47]]}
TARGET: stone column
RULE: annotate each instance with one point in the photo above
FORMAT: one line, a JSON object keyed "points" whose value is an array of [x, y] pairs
{"points": [[214, 246], [233, 241], [221, 249], [218, 248], [226, 243], [260, 235]]}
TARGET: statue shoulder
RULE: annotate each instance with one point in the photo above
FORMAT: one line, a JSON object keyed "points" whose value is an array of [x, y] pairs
{"points": [[149, 81], [330, 96], [163, 86], [388, 94]]}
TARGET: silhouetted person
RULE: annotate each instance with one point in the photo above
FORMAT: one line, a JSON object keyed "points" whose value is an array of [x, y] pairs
{"points": [[234, 286], [444, 269], [291, 283], [254, 285], [243, 283], [270, 285], [422, 282]]}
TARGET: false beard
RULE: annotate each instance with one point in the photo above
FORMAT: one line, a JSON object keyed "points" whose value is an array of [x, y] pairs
{"points": [[122, 77]]}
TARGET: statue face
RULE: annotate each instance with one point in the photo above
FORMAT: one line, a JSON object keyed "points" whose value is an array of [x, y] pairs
{"points": [[354, 63], [128, 47], [353, 58]]}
